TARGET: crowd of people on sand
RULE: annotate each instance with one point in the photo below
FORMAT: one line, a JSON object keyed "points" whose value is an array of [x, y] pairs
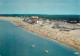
{"points": [[71, 37]]}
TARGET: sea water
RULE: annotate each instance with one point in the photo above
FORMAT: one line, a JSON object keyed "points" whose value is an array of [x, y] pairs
{"points": [[16, 41]]}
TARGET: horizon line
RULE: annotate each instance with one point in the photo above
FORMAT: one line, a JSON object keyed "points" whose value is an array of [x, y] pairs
{"points": [[54, 14]]}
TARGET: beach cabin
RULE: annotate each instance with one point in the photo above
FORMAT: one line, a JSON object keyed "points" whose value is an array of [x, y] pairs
{"points": [[40, 21], [73, 20], [35, 17], [36, 21]]}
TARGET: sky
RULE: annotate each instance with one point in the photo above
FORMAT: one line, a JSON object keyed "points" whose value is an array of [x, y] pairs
{"points": [[52, 7]]}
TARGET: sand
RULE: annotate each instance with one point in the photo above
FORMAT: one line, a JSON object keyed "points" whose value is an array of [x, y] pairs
{"points": [[70, 38]]}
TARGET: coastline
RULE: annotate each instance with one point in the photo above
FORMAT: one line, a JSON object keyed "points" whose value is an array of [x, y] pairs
{"points": [[67, 38]]}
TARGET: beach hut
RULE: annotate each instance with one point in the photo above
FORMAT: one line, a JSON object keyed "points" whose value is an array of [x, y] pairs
{"points": [[35, 17], [40, 21]]}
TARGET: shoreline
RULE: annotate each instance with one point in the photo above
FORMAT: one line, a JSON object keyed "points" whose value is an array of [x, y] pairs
{"points": [[67, 38]]}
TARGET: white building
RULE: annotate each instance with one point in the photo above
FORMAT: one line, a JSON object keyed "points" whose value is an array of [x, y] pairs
{"points": [[39, 22], [35, 17]]}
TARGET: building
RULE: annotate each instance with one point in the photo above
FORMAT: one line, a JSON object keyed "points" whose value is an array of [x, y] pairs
{"points": [[40, 21], [34, 20], [35, 17], [37, 21]]}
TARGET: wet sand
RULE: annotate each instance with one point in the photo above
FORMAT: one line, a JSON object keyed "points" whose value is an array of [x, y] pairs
{"points": [[71, 38]]}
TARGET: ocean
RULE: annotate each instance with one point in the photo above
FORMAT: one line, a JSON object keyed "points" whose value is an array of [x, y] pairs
{"points": [[16, 41]]}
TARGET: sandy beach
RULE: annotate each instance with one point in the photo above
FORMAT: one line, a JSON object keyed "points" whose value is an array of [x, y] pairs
{"points": [[71, 38]]}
